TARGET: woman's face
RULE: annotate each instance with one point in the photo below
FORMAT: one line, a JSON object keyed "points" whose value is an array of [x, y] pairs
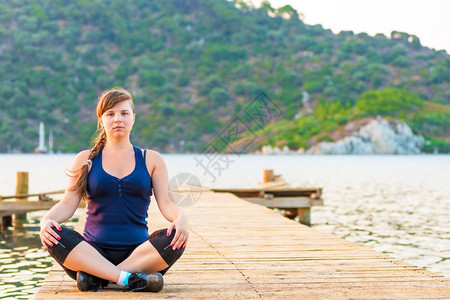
{"points": [[118, 121]]}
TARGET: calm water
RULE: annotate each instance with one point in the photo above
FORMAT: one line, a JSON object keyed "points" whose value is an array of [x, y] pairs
{"points": [[398, 205]]}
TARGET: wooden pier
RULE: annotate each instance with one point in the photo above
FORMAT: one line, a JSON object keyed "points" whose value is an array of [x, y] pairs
{"points": [[13, 208], [275, 192], [240, 250], [292, 201]]}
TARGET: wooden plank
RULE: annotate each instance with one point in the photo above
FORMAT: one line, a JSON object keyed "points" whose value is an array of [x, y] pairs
{"points": [[24, 206], [10, 207], [282, 192], [239, 250], [31, 195], [285, 202]]}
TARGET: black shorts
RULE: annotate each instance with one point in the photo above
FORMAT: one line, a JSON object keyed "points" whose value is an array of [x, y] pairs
{"points": [[70, 239]]}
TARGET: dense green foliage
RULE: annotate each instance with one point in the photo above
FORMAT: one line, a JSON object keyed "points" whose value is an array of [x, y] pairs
{"points": [[422, 116], [388, 102], [193, 66]]}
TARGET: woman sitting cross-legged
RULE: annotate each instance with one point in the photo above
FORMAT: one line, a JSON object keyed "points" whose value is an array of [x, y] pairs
{"points": [[116, 179]]}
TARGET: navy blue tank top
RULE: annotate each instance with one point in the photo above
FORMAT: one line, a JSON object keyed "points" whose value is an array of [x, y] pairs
{"points": [[117, 207]]}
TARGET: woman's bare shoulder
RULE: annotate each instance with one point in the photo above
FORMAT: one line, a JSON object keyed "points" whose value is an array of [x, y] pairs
{"points": [[153, 160], [153, 157], [154, 153], [80, 159]]}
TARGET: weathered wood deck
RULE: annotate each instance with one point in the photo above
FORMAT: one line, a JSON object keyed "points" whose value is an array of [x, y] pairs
{"points": [[239, 250]]}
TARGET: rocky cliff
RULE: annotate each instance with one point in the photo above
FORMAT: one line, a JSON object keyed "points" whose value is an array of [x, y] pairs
{"points": [[376, 136]]}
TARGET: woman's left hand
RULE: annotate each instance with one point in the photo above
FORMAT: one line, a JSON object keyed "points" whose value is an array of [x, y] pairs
{"points": [[181, 232]]}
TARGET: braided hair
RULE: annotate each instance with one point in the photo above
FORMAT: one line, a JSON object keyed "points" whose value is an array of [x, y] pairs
{"points": [[107, 100]]}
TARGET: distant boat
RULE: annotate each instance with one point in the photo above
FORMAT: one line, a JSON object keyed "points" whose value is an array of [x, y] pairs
{"points": [[41, 148], [50, 142]]}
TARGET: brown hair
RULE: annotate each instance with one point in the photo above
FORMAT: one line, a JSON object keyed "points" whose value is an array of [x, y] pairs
{"points": [[107, 100]]}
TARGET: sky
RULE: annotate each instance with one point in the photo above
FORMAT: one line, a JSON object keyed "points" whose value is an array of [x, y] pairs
{"points": [[427, 19]]}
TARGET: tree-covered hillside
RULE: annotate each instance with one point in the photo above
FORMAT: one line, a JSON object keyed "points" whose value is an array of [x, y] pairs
{"points": [[193, 66]]}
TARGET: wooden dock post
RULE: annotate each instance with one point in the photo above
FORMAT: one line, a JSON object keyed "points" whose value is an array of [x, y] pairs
{"points": [[267, 176], [5, 222], [21, 189], [304, 215]]}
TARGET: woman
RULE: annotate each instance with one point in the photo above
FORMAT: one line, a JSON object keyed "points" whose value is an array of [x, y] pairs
{"points": [[116, 180]]}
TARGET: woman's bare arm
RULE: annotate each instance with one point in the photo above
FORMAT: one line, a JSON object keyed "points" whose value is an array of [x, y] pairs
{"points": [[63, 210], [168, 208]]}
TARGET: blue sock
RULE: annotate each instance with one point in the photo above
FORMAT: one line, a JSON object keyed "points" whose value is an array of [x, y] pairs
{"points": [[123, 278]]}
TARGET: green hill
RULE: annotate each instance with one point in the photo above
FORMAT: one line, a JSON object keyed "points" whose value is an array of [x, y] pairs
{"points": [[194, 66]]}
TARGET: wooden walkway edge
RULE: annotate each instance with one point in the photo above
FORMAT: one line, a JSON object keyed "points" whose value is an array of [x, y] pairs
{"points": [[240, 250]]}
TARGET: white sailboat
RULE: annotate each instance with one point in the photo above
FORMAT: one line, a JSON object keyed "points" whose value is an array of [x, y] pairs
{"points": [[41, 148], [50, 142]]}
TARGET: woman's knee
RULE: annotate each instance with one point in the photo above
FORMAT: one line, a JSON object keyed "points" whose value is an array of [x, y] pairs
{"points": [[68, 239], [162, 242]]}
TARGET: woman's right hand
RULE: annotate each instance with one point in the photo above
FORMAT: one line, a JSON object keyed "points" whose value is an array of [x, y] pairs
{"points": [[48, 236]]}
